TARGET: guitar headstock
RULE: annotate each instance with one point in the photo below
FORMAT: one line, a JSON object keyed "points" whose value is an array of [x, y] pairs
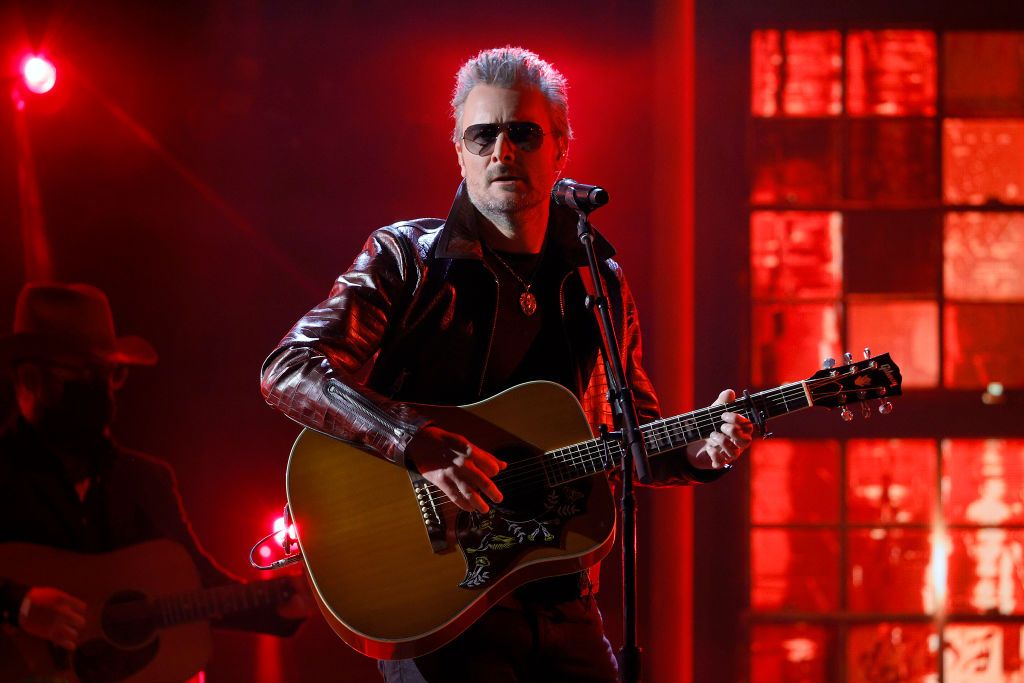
{"points": [[839, 386]]}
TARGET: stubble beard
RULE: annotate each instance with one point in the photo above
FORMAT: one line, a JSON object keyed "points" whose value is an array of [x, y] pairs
{"points": [[506, 211]]}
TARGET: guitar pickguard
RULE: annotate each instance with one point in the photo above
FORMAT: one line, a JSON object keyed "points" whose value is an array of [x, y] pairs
{"points": [[491, 542]]}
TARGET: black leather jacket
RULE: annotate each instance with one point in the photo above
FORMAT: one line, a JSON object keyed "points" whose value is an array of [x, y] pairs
{"points": [[412, 320]]}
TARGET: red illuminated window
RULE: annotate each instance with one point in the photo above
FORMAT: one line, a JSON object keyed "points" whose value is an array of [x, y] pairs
{"points": [[909, 330], [891, 73], [892, 652], [983, 256], [802, 68], [796, 162], [790, 340], [983, 161], [982, 344], [794, 570], [890, 218], [984, 73], [796, 255], [784, 471], [796, 653], [890, 481]]}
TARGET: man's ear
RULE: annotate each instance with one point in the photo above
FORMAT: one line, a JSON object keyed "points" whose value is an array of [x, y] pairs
{"points": [[458, 155], [562, 155]]}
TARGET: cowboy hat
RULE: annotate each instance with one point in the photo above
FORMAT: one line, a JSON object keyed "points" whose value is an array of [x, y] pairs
{"points": [[72, 322]]}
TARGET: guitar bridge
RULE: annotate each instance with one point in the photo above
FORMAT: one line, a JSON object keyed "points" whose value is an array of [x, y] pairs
{"points": [[429, 507]]}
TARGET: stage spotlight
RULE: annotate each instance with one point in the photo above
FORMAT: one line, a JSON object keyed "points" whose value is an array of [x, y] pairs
{"points": [[39, 74]]}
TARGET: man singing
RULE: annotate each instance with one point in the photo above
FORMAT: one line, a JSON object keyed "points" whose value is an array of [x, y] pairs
{"points": [[453, 311]]}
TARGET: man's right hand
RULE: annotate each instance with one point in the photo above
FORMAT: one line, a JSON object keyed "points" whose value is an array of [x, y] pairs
{"points": [[457, 467], [54, 615]]}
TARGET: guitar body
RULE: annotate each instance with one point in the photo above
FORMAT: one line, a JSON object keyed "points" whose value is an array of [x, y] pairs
{"points": [[133, 652], [384, 587]]}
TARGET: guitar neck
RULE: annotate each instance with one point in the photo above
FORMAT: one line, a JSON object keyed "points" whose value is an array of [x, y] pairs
{"points": [[221, 601], [589, 457]]}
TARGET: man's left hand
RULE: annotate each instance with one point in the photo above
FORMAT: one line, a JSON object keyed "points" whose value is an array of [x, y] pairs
{"points": [[723, 447]]}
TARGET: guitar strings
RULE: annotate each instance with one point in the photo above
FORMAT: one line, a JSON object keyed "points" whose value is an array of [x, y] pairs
{"points": [[525, 471], [595, 448]]}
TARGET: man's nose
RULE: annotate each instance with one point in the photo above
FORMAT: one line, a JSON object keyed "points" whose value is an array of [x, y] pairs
{"points": [[504, 149]]}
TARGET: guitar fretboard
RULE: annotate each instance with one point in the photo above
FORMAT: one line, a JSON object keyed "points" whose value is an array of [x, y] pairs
{"points": [[220, 601], [588, 457]]}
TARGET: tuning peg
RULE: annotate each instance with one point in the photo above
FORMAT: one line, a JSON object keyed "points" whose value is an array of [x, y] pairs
{"points": [[867, 352], [829, 363], [885, 407], [846, 414], [848, 357]]}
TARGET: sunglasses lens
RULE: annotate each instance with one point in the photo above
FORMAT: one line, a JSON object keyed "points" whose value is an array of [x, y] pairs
{"points": [[480, 137], [526, 136]]}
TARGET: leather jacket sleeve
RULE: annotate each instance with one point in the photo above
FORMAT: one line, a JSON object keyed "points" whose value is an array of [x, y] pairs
{"points": [[310, 376]]}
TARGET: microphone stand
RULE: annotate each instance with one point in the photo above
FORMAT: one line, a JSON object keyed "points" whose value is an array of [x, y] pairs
{"points": [[634, 449]]}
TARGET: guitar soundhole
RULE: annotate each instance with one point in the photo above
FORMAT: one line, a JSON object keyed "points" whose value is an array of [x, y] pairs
{"points": [[128, 619]]}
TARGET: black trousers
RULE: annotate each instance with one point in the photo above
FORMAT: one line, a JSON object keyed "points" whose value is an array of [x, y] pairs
{"points": [[530, 642]]}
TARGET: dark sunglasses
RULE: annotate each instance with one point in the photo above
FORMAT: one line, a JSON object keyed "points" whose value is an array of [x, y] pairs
{"points": [[481, 137]]}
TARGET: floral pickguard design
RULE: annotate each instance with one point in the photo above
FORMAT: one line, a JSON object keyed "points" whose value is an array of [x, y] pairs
{"points": [[491, 542]]}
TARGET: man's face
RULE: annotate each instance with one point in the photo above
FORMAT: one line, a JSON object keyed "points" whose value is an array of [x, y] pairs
{"points": [[68, 399], [509, 179]]}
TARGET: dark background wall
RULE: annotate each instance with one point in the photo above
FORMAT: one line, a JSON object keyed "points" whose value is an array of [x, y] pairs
{"points": [[213, 167]]}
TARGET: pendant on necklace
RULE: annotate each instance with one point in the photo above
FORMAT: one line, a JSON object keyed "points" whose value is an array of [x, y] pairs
{"points": [[528, 302]]}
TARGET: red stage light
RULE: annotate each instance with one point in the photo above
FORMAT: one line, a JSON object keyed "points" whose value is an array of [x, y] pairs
{"points": [[39, 74], [280, 531]]}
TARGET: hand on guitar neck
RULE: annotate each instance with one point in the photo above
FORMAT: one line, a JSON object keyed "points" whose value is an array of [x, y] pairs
{"points": [[460, 469], [721, 448], [53, 615]]}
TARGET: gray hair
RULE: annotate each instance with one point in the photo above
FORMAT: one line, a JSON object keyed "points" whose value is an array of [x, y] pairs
{"points": [[508, 66]]}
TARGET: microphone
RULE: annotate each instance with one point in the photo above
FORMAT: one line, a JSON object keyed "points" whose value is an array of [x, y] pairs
{"points": [[568, 192]]}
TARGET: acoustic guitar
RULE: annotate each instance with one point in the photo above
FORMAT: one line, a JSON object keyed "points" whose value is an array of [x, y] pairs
{"points": [[146, 616], [398, 570]]}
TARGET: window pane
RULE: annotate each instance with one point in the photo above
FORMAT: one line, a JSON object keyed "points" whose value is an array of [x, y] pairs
{"points": [[983, 344], [790, 654], [984, 73], [791, 341], [765, 72], [974, 653], [813, 82], [889, 571], [891, 481], [983, 161], [893, 161], [891, 73], [794, 481], [871, 238], [985, 570], [984, 256], [795, 162], [983, 481], [794, 570], [909, 330], [796, 255], [903, 653]]}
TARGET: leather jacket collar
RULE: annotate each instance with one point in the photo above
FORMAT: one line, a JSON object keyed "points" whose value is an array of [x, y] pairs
{"points": [[460, 236]]}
